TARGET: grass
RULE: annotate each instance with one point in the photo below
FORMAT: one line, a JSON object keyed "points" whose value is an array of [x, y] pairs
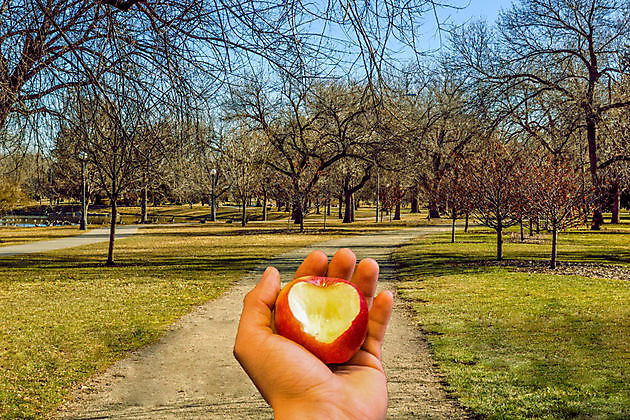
{"points": [[10, 235], [611, 245], [523, 345], [65, 317]]}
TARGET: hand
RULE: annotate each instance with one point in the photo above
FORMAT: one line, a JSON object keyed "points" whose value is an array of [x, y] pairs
{"points": [[292, 380]]}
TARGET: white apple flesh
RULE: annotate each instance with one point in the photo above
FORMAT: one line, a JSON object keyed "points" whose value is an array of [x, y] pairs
{"points": [[327, 316]]}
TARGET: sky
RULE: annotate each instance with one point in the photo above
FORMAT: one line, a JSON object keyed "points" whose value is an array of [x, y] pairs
{"points": [[475, 10]]}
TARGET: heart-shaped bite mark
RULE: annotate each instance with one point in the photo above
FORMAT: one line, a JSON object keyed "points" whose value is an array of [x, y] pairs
{"points": [[325, 312]]}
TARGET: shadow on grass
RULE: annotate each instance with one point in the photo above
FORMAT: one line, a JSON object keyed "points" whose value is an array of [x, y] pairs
{"points": [[439, 264]]}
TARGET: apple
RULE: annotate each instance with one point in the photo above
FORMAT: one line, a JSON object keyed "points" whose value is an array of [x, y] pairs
{"points": [[327, 316]]}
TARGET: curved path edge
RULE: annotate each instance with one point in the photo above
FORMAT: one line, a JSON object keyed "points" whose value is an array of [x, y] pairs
{"points": [[90, 237]]}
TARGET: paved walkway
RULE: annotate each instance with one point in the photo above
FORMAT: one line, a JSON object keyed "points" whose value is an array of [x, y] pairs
{"points": [[87, 238], [191, 373]]}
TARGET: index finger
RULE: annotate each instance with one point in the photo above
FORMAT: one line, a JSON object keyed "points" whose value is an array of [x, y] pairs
{"points": [[315, 264], [365, 278]]}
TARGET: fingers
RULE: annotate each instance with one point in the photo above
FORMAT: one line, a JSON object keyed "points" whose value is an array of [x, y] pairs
{"points": [[366, 277], [379, 316], [342, 264], [315, 264]]}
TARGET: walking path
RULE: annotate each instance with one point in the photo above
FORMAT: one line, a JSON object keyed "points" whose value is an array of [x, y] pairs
{"points": [[191, 373], [88, 238]]}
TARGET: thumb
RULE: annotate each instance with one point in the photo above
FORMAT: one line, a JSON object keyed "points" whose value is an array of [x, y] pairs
{"points": [[259, 302]]}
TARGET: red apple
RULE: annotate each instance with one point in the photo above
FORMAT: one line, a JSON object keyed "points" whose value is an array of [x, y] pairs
{"points": [[327, 316]]}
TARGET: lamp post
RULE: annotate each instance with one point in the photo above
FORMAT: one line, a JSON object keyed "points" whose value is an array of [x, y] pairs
{"points": [[213, 216], [387, 196], [378, 186], [83, 220]]}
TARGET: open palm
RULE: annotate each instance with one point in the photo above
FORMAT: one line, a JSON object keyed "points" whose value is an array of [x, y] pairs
{"points": [[291, 379]]}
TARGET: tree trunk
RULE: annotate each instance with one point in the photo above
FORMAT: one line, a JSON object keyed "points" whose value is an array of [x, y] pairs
{"points": [[328, 207], [616, 193], [298, 212], [500, 244], [433, 211], [340, 205], [143, 205], [531, 227], [112, 233], [520, 221], [347, 218], [454, 217], [466, 224], [317, 206], [244, 213], [353, 208], [414, 203], [554, 245], [591, 136], [278, 205], [397, 211], [264, 212]]}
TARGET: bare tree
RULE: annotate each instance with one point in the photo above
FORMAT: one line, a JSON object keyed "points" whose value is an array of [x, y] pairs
{"points": [[494, 181], [557, 194], [568, 49], [244, 159], [109, 128]]}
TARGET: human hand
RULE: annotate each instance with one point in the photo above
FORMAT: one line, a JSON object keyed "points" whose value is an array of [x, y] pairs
{"points": [[291, 379]]}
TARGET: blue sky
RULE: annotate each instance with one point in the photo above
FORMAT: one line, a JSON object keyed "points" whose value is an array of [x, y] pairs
{"points": [[476, 9]]}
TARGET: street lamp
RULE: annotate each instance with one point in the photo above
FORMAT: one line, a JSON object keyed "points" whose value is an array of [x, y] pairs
{"points": [[378, 186], [213, 216], [389, 211], [83, 220]]}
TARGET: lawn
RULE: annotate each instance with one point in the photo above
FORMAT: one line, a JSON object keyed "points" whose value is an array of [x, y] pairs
{"points": [[521, 345], [65, 317]]}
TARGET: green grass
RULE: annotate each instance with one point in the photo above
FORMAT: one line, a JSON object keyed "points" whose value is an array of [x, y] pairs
{"points": [[521, 345], [609, 245], [65, 316]]}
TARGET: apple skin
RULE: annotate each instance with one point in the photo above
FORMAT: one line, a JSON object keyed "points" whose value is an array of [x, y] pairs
{"points": [[343, 347]]}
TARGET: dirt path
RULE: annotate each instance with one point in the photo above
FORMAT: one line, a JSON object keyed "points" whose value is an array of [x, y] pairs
{"points": [[190, 372]]}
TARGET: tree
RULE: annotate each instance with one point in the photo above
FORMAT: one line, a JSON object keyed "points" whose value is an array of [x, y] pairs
{"points": [[494, 183], [433, 127], [304, 142], [557, 194], [455, 192], [10, 195], [108, 128], [154, 144], [346, 123], [567, 48], [244, 158]]}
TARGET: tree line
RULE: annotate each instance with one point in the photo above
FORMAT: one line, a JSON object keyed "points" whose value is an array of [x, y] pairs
{"points": [[524, 121]]}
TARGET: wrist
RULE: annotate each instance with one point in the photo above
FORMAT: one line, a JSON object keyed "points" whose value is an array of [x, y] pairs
{"points": [[289, 410]]}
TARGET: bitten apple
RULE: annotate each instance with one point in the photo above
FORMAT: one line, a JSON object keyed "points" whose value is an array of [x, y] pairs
{"points": [[327, 316]]}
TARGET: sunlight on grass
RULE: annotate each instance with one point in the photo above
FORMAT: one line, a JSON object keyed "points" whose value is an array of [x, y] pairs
{"points": [[522, 345]]}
